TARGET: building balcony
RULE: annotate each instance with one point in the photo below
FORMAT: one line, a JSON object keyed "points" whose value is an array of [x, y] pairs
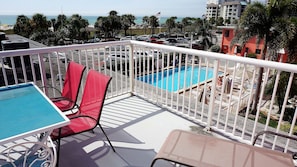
{"points": [[156, 89]]}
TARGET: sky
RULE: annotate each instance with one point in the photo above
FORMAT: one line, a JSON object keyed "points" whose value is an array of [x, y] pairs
{"points": [[168, 8]]}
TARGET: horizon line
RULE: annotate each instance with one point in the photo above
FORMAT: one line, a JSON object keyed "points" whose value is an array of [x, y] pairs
{"points": [[89, 15]]}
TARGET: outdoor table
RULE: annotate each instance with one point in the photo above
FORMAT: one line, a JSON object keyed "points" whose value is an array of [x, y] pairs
{"points": [[25, 112], [190, 149]]}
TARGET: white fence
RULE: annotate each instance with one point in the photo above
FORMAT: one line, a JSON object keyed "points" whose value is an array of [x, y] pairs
{"points": [[185, 81]]}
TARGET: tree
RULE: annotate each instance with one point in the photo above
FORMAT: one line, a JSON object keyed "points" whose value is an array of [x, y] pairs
{"points": [[114, 21], [205, 32], [266, 23], [109, 25], [186, 21], [212, 20], [127, 21], [170, 23], [228, 21], [77, 27], [39, 23], [61, 22], [280, 94], [99, 24], [22, 26], [220, 21], [61, 31], [145, 21], [40, 29], [153, 20]]}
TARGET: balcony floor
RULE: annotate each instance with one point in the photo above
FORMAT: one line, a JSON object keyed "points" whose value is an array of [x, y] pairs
{"points": [[136, 129]]}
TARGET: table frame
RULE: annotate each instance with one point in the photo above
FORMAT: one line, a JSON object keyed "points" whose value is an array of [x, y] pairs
{"points": [[43, 129]]}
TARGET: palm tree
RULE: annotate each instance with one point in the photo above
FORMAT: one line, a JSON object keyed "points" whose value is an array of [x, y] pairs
{"points": [[292, 46], [61, 22], [220, 21], [109, 25], [77, 27], [113, 13], [127, 21], [39, 23], [114, 22], [205, 32], [145, 21], [99, 24], [22, 26], [170, 23], [186, 22], [153, 20], [266, 23]]}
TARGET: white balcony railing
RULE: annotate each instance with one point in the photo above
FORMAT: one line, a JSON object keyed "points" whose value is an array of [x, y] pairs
{"points": [[221, 106]]}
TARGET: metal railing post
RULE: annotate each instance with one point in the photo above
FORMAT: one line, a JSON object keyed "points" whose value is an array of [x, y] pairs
{"points": [[212, 95], [42, 72], [131, 67]]}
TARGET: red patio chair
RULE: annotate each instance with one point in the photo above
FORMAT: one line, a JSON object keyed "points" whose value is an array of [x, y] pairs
{"points": [[88, 116], [68, 97]]}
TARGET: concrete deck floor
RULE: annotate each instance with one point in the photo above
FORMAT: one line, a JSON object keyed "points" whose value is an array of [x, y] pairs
{"points": [[137, 130]]}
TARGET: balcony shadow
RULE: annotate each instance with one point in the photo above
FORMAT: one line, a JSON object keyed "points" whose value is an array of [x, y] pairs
{"points": [[130, 124], [88, 149]]}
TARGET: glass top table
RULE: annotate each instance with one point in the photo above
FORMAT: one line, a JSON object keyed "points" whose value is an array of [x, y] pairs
{"points": [[25, 111]]}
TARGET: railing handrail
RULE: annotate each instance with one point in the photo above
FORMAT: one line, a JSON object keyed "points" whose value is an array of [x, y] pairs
{"points": [[32, 51], [207, 54], [213, 55]]}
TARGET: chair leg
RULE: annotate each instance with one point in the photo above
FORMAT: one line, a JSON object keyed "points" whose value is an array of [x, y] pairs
{"points": [[107, 138], [58, 152], [153, 162], [58, 148]]}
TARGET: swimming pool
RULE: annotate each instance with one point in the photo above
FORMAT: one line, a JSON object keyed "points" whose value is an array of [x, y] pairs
{"points": [[172, 82]]}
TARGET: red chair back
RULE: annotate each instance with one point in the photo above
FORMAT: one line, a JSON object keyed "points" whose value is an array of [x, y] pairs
{"points": [[94, 94], [72, 80]]}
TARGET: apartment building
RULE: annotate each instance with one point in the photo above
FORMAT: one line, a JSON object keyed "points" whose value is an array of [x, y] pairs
{"points": [[230, 10]]}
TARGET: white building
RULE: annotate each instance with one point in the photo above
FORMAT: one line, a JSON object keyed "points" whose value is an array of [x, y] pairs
{"points": [[232, 10], [212, 11], [227, 9]]}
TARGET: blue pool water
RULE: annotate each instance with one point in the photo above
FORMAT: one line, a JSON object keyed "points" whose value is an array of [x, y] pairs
{"points": [[171, 78]]}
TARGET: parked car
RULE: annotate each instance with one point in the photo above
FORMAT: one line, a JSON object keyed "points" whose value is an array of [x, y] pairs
{"points": [[143, 38], [54, 55], [171, 41], [115, 60], [154, 38], [127, 38], [161, 41], [179, 42]]}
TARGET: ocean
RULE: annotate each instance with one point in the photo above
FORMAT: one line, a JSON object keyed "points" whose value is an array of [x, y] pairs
{"points": [[11, 19]]}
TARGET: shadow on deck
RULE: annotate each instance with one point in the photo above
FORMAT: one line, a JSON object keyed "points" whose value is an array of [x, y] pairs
{"points": [[136, 128]]}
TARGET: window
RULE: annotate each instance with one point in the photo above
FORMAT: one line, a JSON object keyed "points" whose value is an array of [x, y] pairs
{"points": [[258, 51], [238, 50], [226, 33]]}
